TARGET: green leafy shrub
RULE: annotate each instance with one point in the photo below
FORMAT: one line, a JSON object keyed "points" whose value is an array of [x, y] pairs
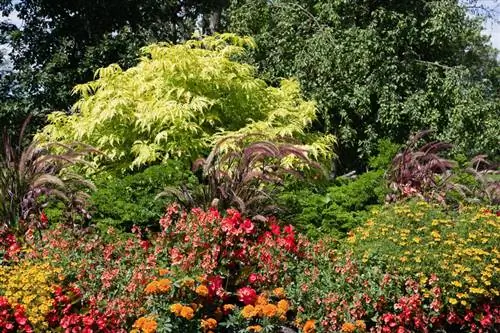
{"points": [[122, 201], [320, 208], [340, 208]]}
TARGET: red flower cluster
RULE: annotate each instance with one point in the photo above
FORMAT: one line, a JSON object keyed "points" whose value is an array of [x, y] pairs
{"points": [[67, 315], [411, 316], [13, 319], [205, 239], [9, 245]]}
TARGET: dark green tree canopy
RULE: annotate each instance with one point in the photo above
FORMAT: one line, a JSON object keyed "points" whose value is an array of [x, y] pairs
{"points": [[62, 43], [381, 68]]}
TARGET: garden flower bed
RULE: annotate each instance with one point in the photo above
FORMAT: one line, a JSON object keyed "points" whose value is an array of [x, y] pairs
{"points": [[413, 267]]}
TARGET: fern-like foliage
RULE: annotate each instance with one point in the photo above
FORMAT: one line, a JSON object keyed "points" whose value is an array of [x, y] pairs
{"points": [[246, 176], [179, 101], [31, 176]]}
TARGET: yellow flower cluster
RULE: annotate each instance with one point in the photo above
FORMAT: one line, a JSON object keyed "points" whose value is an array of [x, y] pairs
{"points": [[30, 285], [420, 238]]}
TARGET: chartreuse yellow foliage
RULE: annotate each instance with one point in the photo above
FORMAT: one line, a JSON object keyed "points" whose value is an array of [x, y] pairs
{"points": [[181, 99], [421, 240], [30, 285]]}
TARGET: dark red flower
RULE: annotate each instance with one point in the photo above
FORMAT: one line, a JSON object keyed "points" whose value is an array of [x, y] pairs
{"points": [[248, 226], [275, 229], [247, 295]]}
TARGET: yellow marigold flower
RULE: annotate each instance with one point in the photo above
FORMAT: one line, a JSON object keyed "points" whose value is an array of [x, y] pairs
{"points": [[187, 312], [176, 309], [254, 328], [279, 292], [146, 325], [309, 326], [348, 327], [452, 301], [248, 311], [269, 310], [283, 305], [477, 290], [208, 324], [456, 283]]}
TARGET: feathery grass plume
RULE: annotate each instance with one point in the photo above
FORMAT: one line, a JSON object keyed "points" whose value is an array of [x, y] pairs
{"points": [[246, 175], [420, 170], [31, 175]]}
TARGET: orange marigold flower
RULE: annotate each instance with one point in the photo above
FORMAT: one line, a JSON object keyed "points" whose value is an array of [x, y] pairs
{"points": [[261, 300], [188, 283], [163, 271], [283, 306], [279, 292], [208, 324], [160, 286], [254, 328], [187, 312], [309, 326], [146, 324], [163, 285], [259, 310], [228, 307], [176, 309], [360, 325], [202, 290], [248, 311], [151, 288], [269, 310], [348, 327]]}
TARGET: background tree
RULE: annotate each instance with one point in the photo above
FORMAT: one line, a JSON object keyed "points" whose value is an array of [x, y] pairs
{"points": [[381, 69], [63, 43]]}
